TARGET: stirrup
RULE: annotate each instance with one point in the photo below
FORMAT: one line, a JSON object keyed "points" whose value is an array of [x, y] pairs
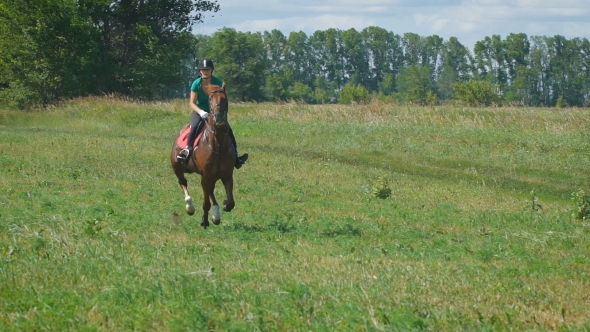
{"points": [[183, 154]]}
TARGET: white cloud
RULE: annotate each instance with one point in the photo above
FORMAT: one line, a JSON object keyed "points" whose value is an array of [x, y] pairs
{"points": [[325, 22], [434, 22], [537, 29], [306, 24], [258, 25], [347, 9]]}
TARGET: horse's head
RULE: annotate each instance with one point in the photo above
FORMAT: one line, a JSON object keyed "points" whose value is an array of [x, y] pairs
{"points": [[218, 104]]}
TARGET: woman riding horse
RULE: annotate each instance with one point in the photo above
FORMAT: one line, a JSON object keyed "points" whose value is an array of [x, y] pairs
{"points": [[199, 104], [214, 157]]}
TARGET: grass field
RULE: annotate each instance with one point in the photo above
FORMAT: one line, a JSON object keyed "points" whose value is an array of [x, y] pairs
{"points": [[478, 232]]}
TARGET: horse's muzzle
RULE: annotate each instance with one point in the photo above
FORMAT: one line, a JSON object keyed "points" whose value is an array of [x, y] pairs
{"points": [[220, 119]]}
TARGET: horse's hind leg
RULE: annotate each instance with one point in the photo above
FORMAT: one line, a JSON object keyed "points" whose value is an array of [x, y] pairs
{"points": [[190, 208], [208, 188]]}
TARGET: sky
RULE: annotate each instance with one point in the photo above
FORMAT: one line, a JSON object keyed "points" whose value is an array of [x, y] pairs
{"points": [[467, 20]]}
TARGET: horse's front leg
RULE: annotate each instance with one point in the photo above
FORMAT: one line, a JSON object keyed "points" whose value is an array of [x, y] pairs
{"points": [[229, 204], [216, 215], [207, 193]]}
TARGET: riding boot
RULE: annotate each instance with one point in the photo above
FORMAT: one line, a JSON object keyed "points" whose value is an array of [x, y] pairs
{"points": [[240, 160], [185, 153]]}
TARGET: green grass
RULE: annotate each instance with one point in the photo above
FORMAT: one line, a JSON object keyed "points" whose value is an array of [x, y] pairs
{"points": [[477, 233]]}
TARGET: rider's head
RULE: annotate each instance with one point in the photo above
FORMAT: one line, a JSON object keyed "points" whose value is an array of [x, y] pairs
{"points": [[206, 67]]}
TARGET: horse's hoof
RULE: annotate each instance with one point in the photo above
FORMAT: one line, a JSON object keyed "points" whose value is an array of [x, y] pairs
{"points": [[205, 223], [190, 208], [227, 208], [216, 217]]}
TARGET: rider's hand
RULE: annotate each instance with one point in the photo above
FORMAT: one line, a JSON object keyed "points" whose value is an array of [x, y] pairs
{"points": [[204, 115]]}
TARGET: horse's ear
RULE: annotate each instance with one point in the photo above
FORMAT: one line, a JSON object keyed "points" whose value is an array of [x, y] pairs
{"points": [[223, 86]]}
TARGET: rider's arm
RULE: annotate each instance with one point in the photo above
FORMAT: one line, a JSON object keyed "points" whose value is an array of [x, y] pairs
{"points": [[193, 102]]}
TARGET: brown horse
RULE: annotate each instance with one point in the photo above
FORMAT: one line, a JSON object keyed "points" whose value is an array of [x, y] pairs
{"points": [[213, 158]]}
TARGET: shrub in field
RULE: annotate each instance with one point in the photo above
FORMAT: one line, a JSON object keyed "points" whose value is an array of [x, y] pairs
{"points": [[476, 92], [351, 93], [560, 102], [381, 188], [431, 98], [383, 98], [582, 205], [415, 85], [300, 91]]}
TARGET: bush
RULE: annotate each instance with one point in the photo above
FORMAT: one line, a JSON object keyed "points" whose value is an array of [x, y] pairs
{"points": [[351, 93], [301, 92], [560, 102], [381, 188], [476, 92], [582, 205], [381, 97]]}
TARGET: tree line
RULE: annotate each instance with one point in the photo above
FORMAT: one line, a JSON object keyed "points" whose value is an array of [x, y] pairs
{"points": [[346, 66], [58, 49]]}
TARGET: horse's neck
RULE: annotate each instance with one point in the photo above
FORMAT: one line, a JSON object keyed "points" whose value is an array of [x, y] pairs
{"points": [[218, 137]]}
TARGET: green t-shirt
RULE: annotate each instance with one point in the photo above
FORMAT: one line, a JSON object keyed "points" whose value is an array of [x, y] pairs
{"points": [[202, 97]]}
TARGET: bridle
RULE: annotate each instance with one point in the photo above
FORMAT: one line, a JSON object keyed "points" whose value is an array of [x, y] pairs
{"points": [[212, 128]]}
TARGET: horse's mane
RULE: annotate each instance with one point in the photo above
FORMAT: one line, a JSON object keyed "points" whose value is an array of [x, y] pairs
{"points": [[210, 88]]}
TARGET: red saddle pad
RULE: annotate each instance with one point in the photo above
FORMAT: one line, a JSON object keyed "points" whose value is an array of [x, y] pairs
{"points": [[182, 140]]}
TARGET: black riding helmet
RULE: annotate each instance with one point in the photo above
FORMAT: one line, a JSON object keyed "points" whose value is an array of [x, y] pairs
{"points": [[205, 64]]}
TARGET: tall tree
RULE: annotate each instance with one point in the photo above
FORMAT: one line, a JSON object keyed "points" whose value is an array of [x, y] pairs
{"points": [[335, 55], [455, 66], [380, 46], [241, 61], [432, 55], [393, 65], [490, 58], [145, 40], [70, 48], [356, 59], [278, 77], [48, 51], [517, 54], [585, 70], [321, 55], [517, 51], [564, 65], [275, 44], [413, 49], [298, 57], [415, 84]]}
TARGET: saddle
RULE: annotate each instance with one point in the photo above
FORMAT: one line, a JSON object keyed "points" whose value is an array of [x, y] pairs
{"points": [[182, 140]]}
